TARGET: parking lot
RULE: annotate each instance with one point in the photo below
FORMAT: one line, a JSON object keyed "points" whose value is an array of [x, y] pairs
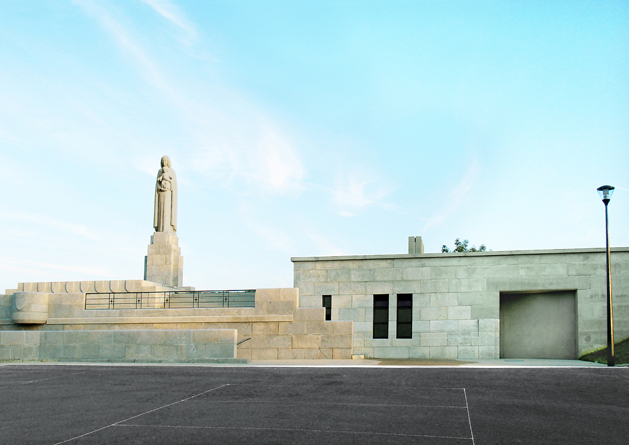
{"points": [[93, 404]]}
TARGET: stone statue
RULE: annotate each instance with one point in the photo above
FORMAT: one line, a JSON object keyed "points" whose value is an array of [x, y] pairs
{"points": [[165, 218]]}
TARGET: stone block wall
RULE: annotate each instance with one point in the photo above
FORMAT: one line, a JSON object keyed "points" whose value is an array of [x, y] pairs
{"points": [[277, 328], [305, 335], [158, 345], [456, 296]]}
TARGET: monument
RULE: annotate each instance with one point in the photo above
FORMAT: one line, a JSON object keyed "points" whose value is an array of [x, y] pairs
{"points": [[464, 306], [164, 263], [159, 320]]}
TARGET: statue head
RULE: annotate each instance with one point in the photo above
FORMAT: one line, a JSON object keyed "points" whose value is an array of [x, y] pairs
{"points": [[165, 161]]}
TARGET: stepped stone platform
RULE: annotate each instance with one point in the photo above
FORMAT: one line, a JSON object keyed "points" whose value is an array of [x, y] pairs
{"points": [[49, 322]]}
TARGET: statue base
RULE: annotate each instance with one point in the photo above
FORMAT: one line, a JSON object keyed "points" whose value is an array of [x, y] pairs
{"points": [[164, 263]]}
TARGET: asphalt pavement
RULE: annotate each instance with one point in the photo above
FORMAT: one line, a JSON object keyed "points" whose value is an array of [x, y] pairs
{"points": [[280, 404]]}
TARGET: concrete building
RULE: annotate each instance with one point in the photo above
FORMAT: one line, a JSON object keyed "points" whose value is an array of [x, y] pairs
{"points": [[483, 305]]}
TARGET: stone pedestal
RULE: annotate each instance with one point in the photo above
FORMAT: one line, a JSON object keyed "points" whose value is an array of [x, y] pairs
{"points": [[164, 263]]}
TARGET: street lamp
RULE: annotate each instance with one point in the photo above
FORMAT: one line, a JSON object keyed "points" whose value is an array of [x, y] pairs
{"points": [[606, 192]]}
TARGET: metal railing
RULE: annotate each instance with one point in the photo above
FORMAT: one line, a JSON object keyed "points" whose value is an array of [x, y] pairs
{"points": [[170, 299]]}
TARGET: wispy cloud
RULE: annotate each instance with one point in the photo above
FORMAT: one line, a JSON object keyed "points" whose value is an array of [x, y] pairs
{"points": [[146, 163], [14, 174], [356, 191], [456, 196], [29, 267], [9, 135], [275, 239], [172, 13], [127, 44], [253, 152], [324, 245], [51, 223], [234, 138], [278, 165]]}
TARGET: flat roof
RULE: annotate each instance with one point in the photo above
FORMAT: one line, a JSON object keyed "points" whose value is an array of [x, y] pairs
{"points": [[457, 254]]}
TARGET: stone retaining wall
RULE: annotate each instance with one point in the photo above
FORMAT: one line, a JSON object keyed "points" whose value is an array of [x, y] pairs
{"points": [[158, 345], [277, 328]]}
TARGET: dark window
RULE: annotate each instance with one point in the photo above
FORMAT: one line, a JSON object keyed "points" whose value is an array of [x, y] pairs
{"points": [[327, 304], [380, 316], [405, 316]]}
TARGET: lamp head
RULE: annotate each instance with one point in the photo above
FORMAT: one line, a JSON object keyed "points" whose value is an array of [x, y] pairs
{"points": [[606, 192]]}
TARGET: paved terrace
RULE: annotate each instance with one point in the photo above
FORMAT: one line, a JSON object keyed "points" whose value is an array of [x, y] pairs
{"points": [[338, 402]]}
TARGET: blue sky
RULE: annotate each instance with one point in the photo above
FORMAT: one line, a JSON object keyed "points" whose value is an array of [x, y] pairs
{"points": [[306, 128]]}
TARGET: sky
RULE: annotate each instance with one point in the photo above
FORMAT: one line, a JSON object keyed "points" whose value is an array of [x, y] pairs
{"points": [[306, 128]]}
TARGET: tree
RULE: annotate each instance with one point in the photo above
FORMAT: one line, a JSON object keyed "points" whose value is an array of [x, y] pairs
{"points": [[462, 246]]}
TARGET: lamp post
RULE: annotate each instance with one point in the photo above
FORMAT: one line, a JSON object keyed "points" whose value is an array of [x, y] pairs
{"points": [[606, 192]]}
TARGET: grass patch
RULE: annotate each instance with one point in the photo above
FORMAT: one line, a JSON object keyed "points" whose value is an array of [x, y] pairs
{"points": [[621, 354]]}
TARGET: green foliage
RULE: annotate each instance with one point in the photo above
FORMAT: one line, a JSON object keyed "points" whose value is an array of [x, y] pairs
{"points": [[621, 354], [463, 246]]}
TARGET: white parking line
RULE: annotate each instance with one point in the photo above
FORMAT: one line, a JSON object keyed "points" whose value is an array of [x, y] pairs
{"points": [[423, 388], [301, 430], [315, 430], [468, 416], [41, 380], [390, 405], [142, 414], [122, 423]]}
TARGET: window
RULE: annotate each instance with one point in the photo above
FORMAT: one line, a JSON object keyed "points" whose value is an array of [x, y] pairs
{"points": [[404, 316], [380, 316], [327, 304]]}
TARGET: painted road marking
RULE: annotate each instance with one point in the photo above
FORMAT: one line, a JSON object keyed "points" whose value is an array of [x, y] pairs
{"points": [[144, 413]]}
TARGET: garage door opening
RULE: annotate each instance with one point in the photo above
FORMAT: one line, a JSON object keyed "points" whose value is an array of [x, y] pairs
{"points": [[538, 325]]}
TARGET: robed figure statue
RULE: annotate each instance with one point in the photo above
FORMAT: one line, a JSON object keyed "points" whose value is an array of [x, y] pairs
{"points": [[165, 218]]}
